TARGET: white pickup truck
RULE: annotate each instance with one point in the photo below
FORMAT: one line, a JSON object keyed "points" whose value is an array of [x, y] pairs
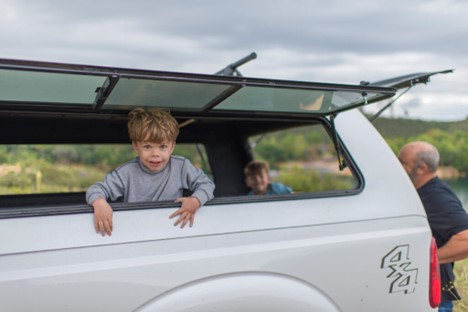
{"points": [[353, 236]]}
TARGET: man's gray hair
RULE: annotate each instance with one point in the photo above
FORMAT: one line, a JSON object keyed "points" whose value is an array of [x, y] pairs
{"points": [[430, 157]]}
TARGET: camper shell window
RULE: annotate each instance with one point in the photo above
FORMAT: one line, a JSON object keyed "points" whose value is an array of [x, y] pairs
{"points": [[67, 124]]}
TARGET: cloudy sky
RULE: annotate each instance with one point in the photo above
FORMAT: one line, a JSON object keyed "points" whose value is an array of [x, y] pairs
{"points": [[321, 41]]}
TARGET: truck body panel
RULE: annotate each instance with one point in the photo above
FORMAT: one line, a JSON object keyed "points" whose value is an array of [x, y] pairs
{"points": [[362, 249]]}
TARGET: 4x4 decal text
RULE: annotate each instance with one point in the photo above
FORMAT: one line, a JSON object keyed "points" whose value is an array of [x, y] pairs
{"points": [[403, 277]]}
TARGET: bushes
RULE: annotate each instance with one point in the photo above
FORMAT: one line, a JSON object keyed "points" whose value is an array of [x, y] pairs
{"points": [[49, 178], [301, 180], [452, 146]]}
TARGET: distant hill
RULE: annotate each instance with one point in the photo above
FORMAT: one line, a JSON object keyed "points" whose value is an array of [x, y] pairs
{"points": [[450, 138], [391, 128]]}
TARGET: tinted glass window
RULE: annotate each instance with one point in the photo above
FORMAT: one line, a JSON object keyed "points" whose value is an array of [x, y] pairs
{"points": [[129, 93], [93, 89], [270, 99], [47, 88]]}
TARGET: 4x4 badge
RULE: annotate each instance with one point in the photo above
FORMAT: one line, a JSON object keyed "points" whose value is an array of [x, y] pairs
{"points": [[404, 278]]}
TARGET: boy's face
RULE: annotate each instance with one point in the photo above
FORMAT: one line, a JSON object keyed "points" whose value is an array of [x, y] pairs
{"points": [[154, 156], [258, 182]]}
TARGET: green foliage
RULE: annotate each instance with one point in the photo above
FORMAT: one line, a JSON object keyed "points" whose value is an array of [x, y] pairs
{"points": [[71, 178], [196, 154], [301, 180], [4, 155], [66, 167], [391, 128], [304, 143], [450, 138], [452, 146], [110, 155], [49, 178], [58, 168]]}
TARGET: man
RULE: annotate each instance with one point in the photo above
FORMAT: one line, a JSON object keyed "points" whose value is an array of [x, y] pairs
{"points": [[447, 218]]}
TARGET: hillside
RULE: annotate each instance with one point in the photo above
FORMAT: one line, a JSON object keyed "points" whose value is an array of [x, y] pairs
{"points": [[404, 128], [451, 138]]}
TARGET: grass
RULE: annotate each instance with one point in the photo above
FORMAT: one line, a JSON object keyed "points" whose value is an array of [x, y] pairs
{"points": [[58, 178], [461, 282]]}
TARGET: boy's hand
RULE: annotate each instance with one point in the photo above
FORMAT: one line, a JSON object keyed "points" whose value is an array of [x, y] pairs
{"points": [[186, 211], [102, 217]]}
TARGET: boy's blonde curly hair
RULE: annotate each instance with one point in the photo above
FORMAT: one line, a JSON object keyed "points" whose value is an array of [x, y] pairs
{"points": [[152, 125]]}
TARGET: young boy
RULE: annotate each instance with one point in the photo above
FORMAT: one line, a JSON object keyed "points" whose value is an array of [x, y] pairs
{"points": [[257, 177], [155, 175]]}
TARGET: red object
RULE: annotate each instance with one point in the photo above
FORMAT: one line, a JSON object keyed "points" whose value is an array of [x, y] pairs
{"points": [[434, 280]]}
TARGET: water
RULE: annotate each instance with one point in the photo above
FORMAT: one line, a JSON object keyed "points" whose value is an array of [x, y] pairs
{"points": [[460, 186]]}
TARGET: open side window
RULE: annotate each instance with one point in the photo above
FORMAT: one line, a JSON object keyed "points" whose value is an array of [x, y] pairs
{"points": [[304, 158], [59, 174]]}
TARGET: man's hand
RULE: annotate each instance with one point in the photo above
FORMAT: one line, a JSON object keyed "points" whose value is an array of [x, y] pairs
{"points": [[102, 217], [187, 211]]}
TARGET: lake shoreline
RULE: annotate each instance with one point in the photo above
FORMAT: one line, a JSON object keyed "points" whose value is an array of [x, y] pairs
{"points": [[449, 173]]}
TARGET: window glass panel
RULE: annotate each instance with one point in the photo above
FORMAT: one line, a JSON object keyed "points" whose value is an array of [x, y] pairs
{"points": [[303, 158], [289, 100], [28, 86], [169, 94], [188, 93]]}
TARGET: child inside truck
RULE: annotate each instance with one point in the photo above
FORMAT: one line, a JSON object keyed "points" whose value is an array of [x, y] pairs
{"points": [[257, 177], [155, 175]]}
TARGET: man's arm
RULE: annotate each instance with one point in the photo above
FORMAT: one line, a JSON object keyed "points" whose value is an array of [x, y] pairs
{"points": [[455, 249]]}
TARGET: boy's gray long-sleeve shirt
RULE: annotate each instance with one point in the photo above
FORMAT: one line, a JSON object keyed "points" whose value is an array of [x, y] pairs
{"points": [[135, 183]]}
